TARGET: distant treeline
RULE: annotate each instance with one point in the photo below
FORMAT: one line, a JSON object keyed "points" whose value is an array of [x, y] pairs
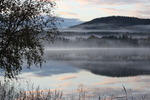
{"points": [[104, 41], [104, 33]]}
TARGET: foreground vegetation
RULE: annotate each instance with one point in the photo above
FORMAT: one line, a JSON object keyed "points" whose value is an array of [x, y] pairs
{"points": [[11, 92]]}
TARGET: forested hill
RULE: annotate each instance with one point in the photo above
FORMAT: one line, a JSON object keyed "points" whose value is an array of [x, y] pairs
{"points": [[113, 22]]}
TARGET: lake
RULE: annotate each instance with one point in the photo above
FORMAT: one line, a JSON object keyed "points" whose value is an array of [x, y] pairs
{"points": [[103, 71]]}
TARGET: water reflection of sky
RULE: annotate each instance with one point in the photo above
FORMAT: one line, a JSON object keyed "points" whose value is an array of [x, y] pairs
{"points": [[94, 69], [51, 68]]}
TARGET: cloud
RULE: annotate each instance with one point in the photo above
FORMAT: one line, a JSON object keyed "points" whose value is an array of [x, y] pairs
{"points": [[90, 9], [107, 82], [62, 85], [49, 68], [110, 2], [83, 1], [143, 11], [68, 14], [66, 77], [67, 84], [142, 14], [110, 10], [134, 8]]}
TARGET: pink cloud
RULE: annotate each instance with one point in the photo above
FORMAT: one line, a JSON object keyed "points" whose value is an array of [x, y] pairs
{"points": [[83, 1], [110, 2], [63, 85], [106, 82], [66, 77], [110, 10], [68, 14], [66, 84]]}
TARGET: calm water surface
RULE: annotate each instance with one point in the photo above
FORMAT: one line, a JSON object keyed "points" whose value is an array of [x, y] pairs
{"points": [[94, 69]]}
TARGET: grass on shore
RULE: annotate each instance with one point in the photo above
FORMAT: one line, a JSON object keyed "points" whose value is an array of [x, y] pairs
{"points": [[10, 92]]}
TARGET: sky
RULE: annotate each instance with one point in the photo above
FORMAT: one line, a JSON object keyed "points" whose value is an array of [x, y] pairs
{"points": [[85, 10]]}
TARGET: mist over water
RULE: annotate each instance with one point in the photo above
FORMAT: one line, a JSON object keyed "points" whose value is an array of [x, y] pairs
{"points": [[114, 62]]}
